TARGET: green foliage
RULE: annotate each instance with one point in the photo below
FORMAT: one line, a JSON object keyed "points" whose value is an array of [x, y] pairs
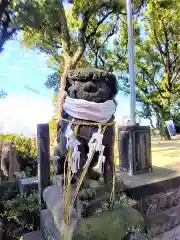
{"points": [[67, 36], [52, 130], [45, 21], [7, 30], [2, 94], [157, 59], [24, 146], [21, 215], [52, 81], [8, 190]]}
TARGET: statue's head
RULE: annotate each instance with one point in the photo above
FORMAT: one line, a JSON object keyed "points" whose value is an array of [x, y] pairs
{"points": [[91, 84]]}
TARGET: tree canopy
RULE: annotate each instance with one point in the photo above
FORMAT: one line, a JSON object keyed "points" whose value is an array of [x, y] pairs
{"points": [[157, 59], [77, 34], [69, 33], [2, 94], [7, 29]]}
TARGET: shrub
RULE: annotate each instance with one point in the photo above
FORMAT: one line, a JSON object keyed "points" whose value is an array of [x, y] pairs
{"points": [[20, 215], [26, 152], [8, 190], [24, 146]]}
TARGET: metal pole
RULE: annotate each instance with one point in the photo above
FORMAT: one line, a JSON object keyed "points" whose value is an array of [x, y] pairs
{"points": [[131, 63]]}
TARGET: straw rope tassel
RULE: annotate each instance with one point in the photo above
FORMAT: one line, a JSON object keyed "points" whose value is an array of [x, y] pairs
{"points": [[67, 230]]}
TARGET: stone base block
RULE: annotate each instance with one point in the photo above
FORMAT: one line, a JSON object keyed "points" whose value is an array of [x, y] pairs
{"points": [[28, 185], [33, 236], [47, 226], [105, 225]]}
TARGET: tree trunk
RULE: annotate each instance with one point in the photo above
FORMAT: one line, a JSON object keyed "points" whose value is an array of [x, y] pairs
{"points": [[163, 131], [165, 116], [158, 122], [62, 93]]}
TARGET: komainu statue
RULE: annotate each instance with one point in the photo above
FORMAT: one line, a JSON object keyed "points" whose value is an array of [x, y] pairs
{"points": [[81, 208], [91, 102]]}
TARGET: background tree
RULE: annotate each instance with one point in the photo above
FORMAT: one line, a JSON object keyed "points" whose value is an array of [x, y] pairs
{"points": [[157, 58], [2, 94], [64, 35], [7, 30]]}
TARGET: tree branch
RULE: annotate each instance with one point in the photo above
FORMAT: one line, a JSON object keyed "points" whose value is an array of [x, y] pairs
{"points": [[158, 46], [101, 45], [168, 63], [64, 29], [83, 39], [152, 81], [3, 5], [97, 26], [6, 35], [103, 62]]}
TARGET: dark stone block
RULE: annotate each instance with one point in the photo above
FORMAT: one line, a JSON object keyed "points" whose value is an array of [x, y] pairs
{"points": [[135, 149]]}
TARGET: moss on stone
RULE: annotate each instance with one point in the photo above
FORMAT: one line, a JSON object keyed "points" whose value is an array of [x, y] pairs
{"points": [[109, 225]]}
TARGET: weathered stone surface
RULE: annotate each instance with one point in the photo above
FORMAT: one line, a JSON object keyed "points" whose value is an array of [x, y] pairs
{"points": [[54, 200], [28, 185], [173, 234], [33, 236], [19, 175], [48, 228], [159, 202], [109, 225], [90, 201], [91, 210], [9, 163], [163, 221], [106, 225], [97, 86]]}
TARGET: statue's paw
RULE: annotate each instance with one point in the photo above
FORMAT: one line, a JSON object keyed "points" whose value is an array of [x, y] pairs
{"points": [[86, 194], [94, 175]]}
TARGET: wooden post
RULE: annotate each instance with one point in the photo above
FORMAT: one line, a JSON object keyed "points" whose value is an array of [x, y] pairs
{"points": [[43, 158]]}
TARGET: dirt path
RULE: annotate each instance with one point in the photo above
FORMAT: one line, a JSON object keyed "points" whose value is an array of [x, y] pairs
{"points": [[165, 153]]}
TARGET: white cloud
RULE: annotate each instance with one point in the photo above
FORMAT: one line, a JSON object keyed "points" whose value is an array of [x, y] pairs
{"points": [[26, 55], [23, 61], [15, 73], [21, 115], [14, 68], [4, 56], [5, 74], [44, 69]]}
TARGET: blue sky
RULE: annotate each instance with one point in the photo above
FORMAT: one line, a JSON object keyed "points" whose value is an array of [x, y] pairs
{"points": [[23, 109], [20, 69]]}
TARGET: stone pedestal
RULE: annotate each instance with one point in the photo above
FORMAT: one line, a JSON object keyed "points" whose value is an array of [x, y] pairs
{"points": [[135, 149], [96, 217]]}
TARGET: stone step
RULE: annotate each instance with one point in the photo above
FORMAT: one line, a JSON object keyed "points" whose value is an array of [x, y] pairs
{"points": [[47, 226], [162, 222], [159, 202], [173, 234], [36, 235]]}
